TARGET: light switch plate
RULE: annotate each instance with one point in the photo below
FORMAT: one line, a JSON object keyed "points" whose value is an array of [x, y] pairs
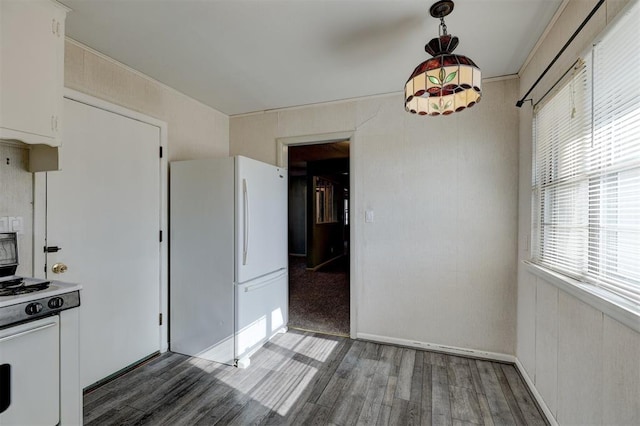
{"points": [[368, 216], [4, 224]]}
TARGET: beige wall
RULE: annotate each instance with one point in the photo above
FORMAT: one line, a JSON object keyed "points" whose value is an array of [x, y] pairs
{"points": [[583, 362], [438, 264], [195, 130]]}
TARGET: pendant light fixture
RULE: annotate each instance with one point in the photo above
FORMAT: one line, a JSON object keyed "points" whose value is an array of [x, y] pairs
{"points": [[447, 82]]}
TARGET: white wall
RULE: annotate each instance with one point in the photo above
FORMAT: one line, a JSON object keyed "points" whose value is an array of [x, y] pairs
{"points": [[16, 198], [438, 265], [195, 130], [584, 363]]}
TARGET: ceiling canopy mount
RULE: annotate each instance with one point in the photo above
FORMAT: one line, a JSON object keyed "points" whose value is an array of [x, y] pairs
{"points": [[441, 8]]}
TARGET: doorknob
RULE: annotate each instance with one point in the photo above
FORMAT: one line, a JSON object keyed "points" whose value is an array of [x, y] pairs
{"points": [[59, 268]]}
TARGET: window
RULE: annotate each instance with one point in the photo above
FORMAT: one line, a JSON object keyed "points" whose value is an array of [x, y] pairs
{"points": [[326, 203], [586, 183]]}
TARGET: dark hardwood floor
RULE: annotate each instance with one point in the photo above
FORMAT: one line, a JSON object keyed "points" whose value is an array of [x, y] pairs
{"points": [[306, 378]]}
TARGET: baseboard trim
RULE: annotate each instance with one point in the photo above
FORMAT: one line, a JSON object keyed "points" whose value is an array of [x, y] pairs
{"points": [[532, 388], [328, 333], [472, 353], [325, 263], [110, 378]]}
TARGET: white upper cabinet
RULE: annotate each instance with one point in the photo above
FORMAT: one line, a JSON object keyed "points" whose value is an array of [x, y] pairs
{"points": [[31, 70]]}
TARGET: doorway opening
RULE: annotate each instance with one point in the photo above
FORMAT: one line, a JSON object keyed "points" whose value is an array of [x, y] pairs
{"points": [[319, 289]]}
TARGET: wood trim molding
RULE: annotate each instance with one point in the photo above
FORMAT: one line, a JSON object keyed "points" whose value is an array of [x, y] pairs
{"points": [[472, 353], [532, 388], [282, 159], [164, 203], [452, 350]]}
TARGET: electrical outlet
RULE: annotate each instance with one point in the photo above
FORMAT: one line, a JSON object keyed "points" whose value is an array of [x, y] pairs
{"points": [[4, 224], [16, 224]]}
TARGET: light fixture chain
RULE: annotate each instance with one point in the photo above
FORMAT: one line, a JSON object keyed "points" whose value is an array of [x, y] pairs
{"points": [[443, 26]]}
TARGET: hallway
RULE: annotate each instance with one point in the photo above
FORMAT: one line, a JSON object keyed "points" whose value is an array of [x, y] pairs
{"points": [[319, 301]]}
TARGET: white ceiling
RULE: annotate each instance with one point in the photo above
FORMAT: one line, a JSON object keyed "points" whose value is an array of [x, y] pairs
{"points": [[241, 56]]}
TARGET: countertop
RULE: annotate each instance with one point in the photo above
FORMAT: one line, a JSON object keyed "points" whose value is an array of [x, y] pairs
{"points": [[55, 288]]}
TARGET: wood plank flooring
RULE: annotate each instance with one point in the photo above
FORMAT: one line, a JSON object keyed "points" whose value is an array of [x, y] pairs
{"points": [[312, 379]]}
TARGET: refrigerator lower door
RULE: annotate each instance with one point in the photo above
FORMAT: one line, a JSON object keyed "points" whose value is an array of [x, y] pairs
{"points": [[262, 307]]}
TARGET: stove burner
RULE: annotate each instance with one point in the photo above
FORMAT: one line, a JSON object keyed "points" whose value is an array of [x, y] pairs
{"points": [[23, 289], [11, 283]]}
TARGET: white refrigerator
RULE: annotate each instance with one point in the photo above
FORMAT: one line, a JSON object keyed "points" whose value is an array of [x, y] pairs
{"points": [[228, 286]]}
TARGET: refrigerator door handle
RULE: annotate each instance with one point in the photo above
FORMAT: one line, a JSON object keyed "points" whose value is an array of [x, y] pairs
{"points": [[245, 205], [249, 288]]}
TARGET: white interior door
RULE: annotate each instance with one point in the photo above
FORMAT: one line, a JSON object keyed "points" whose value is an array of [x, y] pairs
{"points": [[103, 211]]}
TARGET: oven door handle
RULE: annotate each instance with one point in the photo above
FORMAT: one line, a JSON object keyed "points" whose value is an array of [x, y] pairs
{"points": [[5, 387], [32, 330]]}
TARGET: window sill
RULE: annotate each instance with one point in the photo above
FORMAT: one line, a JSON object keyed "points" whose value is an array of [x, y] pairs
{"points": [[602, 300]]}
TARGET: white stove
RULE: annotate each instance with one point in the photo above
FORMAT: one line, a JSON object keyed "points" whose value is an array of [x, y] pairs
{"points": [[41, 302], [39, 350], [53, 288]]}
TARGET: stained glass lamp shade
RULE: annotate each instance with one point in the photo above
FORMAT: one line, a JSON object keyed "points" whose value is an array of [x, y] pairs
{"points": [[447, 82]]}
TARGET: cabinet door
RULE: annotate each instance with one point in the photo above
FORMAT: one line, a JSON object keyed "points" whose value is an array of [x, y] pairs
{"points": [[31, 41]]}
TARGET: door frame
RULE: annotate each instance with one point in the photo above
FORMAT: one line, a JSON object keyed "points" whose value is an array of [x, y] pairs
{"points": [[40, 203], [282, 160]]}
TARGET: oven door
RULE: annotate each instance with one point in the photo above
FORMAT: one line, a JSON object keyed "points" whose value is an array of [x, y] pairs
{"points": [[30, 373]]}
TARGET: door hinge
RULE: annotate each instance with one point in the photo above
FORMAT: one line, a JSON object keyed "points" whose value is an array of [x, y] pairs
{"points": [[160, 152], [160, 319], [161, 236]]}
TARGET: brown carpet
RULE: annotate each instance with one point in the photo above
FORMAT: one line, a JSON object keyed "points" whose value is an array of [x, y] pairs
{"points": [[319, 301]]}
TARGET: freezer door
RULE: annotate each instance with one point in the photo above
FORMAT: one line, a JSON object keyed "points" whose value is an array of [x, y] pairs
{"points": [[261, 219]]}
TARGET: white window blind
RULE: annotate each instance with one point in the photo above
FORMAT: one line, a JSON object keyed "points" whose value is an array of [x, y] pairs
{"points": [[586, 183], [561, 185]]}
